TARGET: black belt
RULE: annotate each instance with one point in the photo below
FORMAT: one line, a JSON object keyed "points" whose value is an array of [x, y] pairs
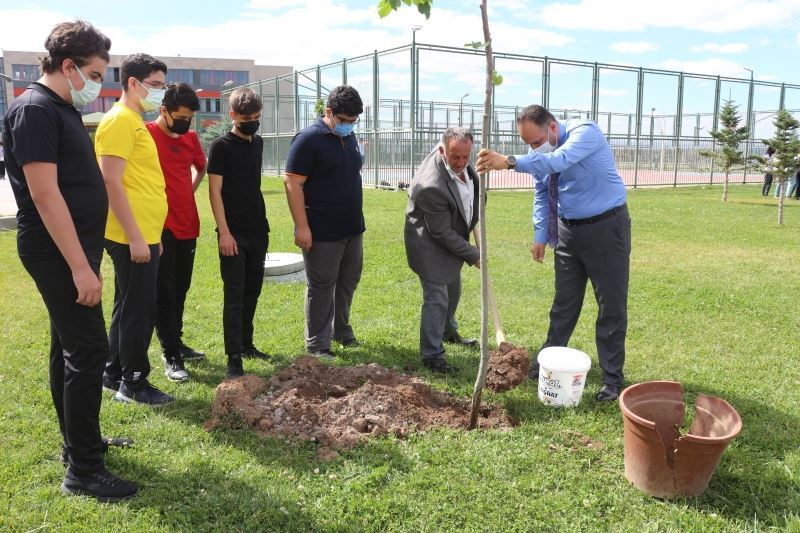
{"points": [[592, 220]]}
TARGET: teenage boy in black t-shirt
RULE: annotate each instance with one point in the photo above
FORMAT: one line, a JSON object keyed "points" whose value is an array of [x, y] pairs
{"points": [[234, 188], [61, 219]]}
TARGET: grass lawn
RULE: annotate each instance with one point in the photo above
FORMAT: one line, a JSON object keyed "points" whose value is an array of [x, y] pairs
{"points": [[713, 304]]}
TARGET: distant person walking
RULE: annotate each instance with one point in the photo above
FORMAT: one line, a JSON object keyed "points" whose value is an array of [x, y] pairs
{"points": [[768, 175]]}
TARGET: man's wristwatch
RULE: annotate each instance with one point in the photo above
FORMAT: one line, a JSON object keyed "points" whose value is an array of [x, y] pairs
{"points": [[511, 161]]}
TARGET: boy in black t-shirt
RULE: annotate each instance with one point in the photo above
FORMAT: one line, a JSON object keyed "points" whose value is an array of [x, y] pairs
{"points": [[234, 188], [61, 220]]}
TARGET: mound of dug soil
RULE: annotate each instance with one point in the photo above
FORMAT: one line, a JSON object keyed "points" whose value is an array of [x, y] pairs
{"points": [[508, 367], [338, 407]]}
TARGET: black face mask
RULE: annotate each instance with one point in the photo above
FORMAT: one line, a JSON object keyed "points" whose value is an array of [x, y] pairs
{"points": [[249, 128], [179, 126]]}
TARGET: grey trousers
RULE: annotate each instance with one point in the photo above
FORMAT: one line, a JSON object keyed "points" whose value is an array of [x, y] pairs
{"points": [[598, 252], [333, 270], [438, 316]]}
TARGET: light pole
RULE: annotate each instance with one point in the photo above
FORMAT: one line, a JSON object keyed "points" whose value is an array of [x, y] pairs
{"points": [[750, 124], [461, 110]]}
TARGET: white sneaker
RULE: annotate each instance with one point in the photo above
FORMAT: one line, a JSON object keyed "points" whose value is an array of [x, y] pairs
{"points": [[175, 371]]}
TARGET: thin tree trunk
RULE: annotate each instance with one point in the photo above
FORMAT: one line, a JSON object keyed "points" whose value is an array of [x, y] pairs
{"points": [[781, 198], [725, 188], [484, 263]]}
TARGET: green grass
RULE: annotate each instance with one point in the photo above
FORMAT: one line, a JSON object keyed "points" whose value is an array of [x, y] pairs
{"points": [[713, 304]]}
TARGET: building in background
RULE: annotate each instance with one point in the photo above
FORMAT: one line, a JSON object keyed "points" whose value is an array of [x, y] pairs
{"points": [[209, 76]]}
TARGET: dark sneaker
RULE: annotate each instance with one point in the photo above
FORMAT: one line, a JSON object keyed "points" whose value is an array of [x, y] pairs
{"points": [[174, 369], [103, 485], [349, 343], [608, 393], [234, 369], [190, 354], [326, 354], [439, 366], [533, 372], [146, 394], [458, 339], [110, 385], [254, 353]]}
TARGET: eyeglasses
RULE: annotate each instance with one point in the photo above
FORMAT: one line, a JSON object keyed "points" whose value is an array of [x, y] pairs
{"points": [[347, 120], [154, 84]]}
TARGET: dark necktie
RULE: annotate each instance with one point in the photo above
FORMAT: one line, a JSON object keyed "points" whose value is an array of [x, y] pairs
{"points": [[552, 210]]}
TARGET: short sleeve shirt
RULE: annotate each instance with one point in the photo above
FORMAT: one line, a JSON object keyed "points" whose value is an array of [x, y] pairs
{"points": [[41, 127], [238, 161], [122, 133], [177, 155], [332, 190]]}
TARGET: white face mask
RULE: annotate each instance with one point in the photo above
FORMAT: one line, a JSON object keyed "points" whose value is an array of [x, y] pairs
{"points": [[154, 97], [546, 147], [87, 95]]}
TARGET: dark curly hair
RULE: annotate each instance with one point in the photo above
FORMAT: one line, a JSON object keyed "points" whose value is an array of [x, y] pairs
{"points": [[345, 99], [180, 94], [78, 41]]}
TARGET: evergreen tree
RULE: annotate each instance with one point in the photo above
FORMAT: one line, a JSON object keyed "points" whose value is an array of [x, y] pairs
{"points": [[728, 138], [785, 162]]}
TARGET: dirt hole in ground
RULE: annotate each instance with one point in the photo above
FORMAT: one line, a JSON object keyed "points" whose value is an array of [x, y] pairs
{"points": [[508, 367], [338, 407]]}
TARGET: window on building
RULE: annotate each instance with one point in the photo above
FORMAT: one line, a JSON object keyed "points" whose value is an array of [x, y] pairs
{"points": [[219, 77], [181, 75], [209, 105], [26, 72], [111, 75]]}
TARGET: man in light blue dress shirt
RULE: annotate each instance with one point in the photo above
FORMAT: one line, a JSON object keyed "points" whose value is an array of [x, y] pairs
{"points": [[579, 209]]}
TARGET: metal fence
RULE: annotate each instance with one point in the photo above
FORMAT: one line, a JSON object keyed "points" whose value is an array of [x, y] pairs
{"points": [[399, 126]]}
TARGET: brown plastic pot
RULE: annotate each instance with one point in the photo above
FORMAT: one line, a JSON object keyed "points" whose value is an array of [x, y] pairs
{"points": [[657, 459]]}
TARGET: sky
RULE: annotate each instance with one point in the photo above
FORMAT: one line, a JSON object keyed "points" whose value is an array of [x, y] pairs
{"points": [[707, 36]]}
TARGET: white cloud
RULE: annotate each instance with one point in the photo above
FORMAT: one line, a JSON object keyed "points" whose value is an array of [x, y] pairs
{"points": [[636, 15], [339, 31], [613, 92], [714, 66], [635, 47], [716, 48], [274, 5]]}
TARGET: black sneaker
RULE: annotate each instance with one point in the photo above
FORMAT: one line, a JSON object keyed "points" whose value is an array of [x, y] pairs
{"points": [[103, 485], [349, 343], [174, 369], [146, 394], [440, 366], [533, 372], [190, 354], [110, 385], [326, 354], [234, 368], [254, 353]]}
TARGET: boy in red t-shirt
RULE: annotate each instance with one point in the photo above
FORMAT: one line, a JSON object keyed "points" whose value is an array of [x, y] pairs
{"points": [[179, 152]]}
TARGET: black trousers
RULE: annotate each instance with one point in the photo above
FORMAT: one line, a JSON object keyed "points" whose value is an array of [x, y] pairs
{"points": [[78, 351], [767, 185], [242, 279], [134, 315], [598, 252], [174, 279]]}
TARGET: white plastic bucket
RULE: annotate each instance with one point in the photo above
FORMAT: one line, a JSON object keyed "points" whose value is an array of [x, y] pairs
{"points": [[562, 375]]}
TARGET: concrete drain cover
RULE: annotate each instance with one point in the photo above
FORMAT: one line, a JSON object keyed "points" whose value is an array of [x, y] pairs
{"points": [[8, 222], [278, 265]]}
